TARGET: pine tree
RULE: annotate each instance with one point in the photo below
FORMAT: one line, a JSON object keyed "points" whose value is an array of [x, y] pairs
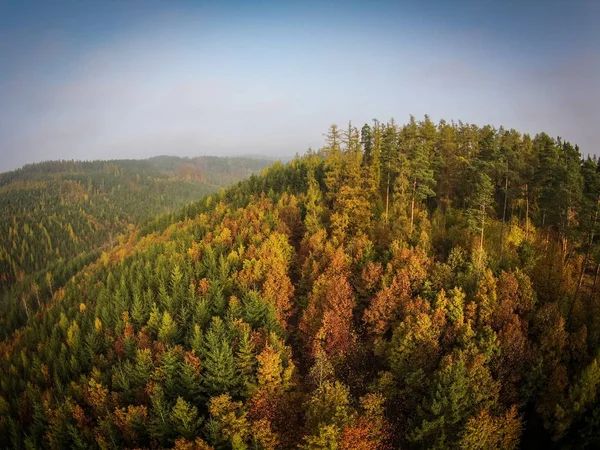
{"points": [[333, 162], [421, 179], [191, 377], [366, 140], [246, 359], [185, 419], [313, 203], [50, 283], [219, 374], [159, 424], [389, 155], [462, 386], [168, 329], [479, 203], [143, 369]]}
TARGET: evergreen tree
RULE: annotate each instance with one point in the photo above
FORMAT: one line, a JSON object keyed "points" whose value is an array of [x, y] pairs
{"points": [[421, 178], [219, 374], [389, 155], [366, 140], [479, 204]]}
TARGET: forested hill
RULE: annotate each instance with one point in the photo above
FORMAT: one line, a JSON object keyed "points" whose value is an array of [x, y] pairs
{"points": [[56, 216], [416, 286]]}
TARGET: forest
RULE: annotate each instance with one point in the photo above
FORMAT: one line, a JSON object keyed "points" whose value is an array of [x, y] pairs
{"points": [[420, 285], [56, 216]]}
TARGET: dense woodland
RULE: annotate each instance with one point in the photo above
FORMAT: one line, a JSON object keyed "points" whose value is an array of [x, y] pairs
{"points": [[56, 217], [406, 286]]}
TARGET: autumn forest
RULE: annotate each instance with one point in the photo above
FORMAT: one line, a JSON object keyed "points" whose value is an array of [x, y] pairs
{"points": [[421, 285]]}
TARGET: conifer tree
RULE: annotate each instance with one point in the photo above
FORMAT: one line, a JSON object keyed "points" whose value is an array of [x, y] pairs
{"points": [[366, 140], [168, 329], [479, 204], [219, 370], [389, 154], [421, 179]]}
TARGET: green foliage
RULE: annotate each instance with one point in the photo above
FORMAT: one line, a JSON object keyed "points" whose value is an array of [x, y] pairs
{"points": [[460, 388], [346, 300], [57, 217], [185, 418], [219, 363], [168, 329]]}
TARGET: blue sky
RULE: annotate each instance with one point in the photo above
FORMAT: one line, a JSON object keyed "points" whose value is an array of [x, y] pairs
{"points": [[130, 79]]}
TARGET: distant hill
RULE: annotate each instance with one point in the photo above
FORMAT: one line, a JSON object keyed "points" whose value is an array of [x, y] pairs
{"points": [[57, 215]]}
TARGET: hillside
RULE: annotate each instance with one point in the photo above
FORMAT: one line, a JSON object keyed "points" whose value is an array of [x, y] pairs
{"points": [[416, 286], [57, 216]]}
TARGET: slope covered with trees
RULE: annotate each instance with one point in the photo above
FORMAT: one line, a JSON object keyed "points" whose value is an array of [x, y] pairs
{"points": [[55, 217], [416, 286]]}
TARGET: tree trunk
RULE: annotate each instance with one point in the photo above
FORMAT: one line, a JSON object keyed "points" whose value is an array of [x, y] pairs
{"points": [[583, 266], [526, 212], [550, 266], [520, 215], [568, 258], [482, 226], [24, 300], [503, 217], [593, 293], [587, 254], [387, 198], [564, 250], [594, 224], [412, 207]]}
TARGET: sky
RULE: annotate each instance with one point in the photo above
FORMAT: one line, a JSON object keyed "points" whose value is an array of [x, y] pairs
{"points": [[134, 79]]}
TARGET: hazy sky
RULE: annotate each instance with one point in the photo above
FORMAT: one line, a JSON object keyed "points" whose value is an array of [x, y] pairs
{"points": [[133, 78]]}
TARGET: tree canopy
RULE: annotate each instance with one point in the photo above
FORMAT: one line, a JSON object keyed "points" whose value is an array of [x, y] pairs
{"points": [[406, 286]]}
